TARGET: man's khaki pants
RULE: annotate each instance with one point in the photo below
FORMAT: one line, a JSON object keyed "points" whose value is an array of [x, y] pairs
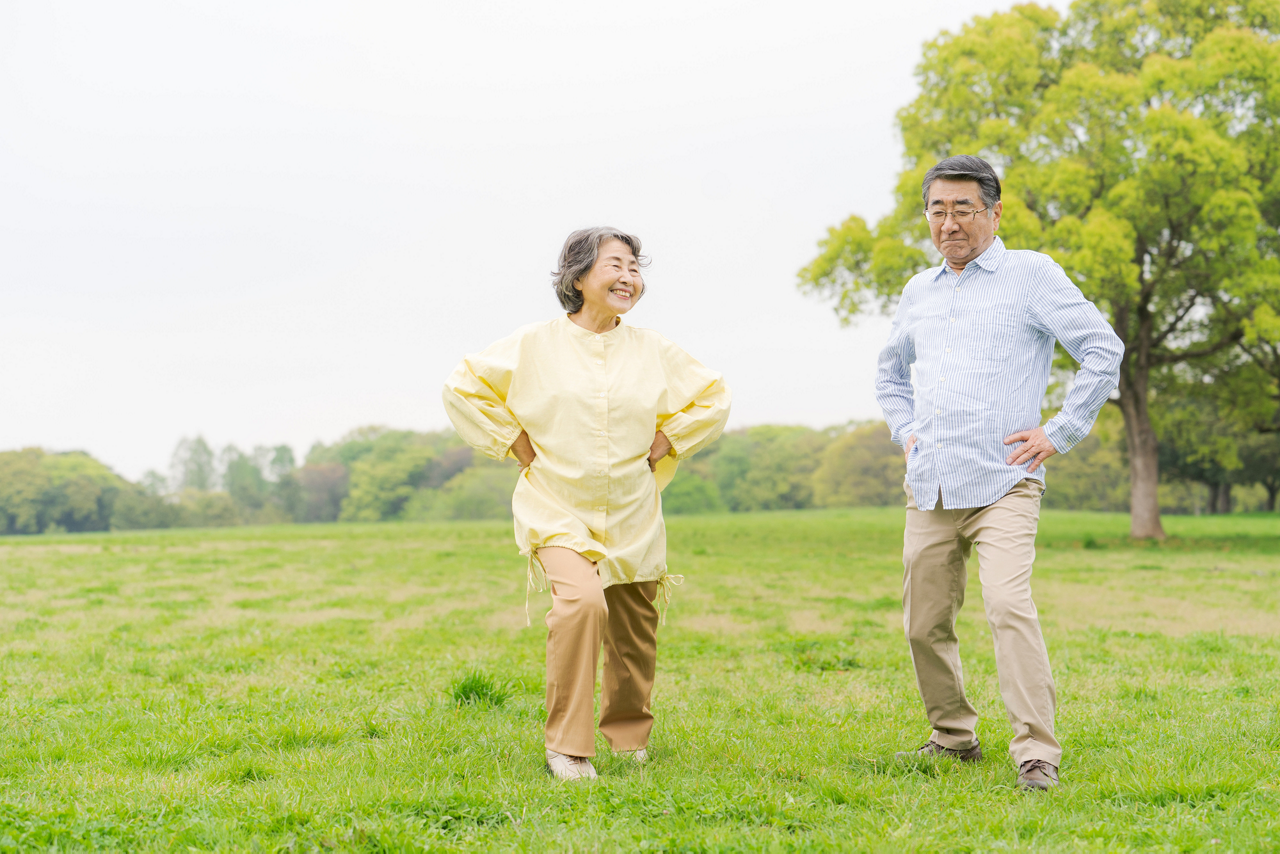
{"points": [[936, 549], [582, 615]]}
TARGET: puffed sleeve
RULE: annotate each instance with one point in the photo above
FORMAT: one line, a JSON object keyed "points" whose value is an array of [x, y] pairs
{"points": [[475, 396], [697, 401]]}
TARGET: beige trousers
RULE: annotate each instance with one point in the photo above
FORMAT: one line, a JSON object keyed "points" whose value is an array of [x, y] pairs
{"points": [[582, 615], [936, 548]]}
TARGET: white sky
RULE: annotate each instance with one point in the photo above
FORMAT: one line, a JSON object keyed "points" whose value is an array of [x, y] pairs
{"points": [[274, 222]]}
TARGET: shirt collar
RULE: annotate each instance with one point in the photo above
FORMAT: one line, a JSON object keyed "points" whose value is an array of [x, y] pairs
{"points": [[575, 329], [988, 260]]}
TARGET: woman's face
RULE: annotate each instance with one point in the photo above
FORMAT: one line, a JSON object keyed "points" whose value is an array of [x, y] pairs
{"points": [[613, 285]]}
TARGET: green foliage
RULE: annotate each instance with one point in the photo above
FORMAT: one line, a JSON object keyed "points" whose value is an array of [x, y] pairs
{"points": [[207, 509], [688, 495], [136, 509], [1094, 475], [480, 492], [65, 492], [862, 467], [387, 467], [767, 467], [431, 477], [323, 487], [243, 479], [193, 465], [23, 484]]}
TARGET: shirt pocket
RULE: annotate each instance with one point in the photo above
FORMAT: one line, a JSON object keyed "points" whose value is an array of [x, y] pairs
{"points": [[994, 336]]}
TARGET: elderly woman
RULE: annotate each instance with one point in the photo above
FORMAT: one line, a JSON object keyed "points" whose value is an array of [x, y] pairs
{"points": [[597, 412]]}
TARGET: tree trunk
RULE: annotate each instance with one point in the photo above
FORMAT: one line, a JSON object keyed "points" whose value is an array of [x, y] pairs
{"points": [[1224, 498], [1272, 489], [1144, 459], [1213, 498]]}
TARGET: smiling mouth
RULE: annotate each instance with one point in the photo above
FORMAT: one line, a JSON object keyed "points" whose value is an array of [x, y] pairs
{"points": [[621, 293]]}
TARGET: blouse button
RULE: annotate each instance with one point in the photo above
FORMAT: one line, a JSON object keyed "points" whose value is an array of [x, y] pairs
{"points": [[599, 361]]}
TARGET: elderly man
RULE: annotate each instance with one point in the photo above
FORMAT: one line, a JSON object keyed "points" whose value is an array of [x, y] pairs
{"points": [[980, 330]]}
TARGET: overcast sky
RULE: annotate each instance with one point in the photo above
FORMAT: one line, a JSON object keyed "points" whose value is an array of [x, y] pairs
{"points": [[273, 222]]}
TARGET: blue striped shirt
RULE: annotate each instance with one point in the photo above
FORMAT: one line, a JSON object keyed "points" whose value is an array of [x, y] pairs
{"points": [[982, 346]]}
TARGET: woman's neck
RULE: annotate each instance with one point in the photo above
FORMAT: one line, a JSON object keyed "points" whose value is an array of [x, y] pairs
{"points": [[594, 321]]}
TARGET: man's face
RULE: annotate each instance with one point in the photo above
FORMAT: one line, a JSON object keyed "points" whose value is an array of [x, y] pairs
{"points": [[960, 241]]}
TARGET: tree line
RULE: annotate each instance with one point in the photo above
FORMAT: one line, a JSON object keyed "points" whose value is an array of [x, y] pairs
{"points": [[375, 474]]}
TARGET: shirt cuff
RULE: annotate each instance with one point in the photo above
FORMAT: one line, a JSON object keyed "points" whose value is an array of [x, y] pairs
{"points": [[508, 442], [1060, 435], [904, 435], [678, 446]]}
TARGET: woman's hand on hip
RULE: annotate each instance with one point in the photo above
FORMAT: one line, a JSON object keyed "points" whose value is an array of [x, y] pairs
{"points": [[523, 449], [660, 448]]}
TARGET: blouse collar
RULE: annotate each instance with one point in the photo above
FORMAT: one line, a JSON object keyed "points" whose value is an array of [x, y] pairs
{"points": [[575, 329]]}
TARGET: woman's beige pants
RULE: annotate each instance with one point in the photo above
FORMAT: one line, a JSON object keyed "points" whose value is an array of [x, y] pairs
{"points": [[583, 615]]}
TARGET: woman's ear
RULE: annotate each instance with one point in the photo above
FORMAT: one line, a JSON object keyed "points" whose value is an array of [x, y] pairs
{"points": [[577, 284]]}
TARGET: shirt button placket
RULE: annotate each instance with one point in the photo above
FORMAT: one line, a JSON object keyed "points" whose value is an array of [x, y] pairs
{"points": [[602, 408]]}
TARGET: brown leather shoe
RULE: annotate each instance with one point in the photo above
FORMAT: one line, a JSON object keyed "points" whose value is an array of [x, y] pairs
{"points": [[932, 750], [1037, 774]]}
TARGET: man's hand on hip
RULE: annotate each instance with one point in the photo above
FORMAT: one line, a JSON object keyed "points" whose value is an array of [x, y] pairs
{"points": [[906, 452], [1037, 445]]}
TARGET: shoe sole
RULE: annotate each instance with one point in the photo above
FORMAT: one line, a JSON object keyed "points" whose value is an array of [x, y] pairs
{"points": [[910, 755], [1036, 786], [558, 779]]}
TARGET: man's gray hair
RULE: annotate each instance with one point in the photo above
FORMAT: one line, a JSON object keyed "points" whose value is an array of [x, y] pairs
{"points": [[578, 257], [966, 167]]}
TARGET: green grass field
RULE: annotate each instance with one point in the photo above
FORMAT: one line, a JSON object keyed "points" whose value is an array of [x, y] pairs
{"points": [[292, 689]]}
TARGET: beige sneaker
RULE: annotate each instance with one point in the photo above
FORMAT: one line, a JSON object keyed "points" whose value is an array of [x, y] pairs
{"points": [[640, 756], [570, 767]]}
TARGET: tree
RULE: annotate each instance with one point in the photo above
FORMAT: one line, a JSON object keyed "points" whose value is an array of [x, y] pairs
{"points": [[81, 492], [1260, 463], [23, 483], [1137, 143], [242, 478], [768, 467], [385, 478], [1198, 444], [480, 492], [193, 465], [136, 508], [688, 494], [1095, 475], [67, 491], [324, 487], [860, 468]]}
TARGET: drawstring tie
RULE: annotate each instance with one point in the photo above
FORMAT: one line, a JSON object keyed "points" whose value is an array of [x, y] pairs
{"points": [[535, 582], [665, 584]]}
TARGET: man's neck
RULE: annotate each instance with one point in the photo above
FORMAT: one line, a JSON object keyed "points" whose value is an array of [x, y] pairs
{"points": [[957, 267]]}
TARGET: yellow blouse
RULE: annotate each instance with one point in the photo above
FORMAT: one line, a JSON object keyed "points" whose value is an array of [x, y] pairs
{"points": [[590, 404]]}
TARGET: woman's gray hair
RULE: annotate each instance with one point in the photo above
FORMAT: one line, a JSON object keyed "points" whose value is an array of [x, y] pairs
{"points": [[966, 167], [578, 257]]}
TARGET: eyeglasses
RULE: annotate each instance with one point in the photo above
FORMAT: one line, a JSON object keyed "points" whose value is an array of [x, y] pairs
{"points": [[958, 216]]}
